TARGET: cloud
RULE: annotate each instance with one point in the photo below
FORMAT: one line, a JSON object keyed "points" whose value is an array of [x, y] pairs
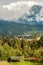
{"points": [[10, 1], [19, 4], [39, 17], [14, 11]]}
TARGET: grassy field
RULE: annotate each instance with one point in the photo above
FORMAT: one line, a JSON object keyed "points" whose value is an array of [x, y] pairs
{"points": [[26, 63]]}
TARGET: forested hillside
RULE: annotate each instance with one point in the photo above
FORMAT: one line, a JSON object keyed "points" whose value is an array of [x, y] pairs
{"points": [[12, 28]]}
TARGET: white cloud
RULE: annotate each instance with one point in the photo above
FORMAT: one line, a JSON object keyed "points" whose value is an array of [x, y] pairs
{"points": [[39, 17], [16, 10], [21, 4]]}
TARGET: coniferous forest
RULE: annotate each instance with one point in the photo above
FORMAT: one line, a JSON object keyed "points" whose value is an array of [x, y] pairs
{"points": [[16, 47]]}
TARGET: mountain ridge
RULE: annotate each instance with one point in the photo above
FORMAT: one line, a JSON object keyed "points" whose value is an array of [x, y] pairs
{"points": [[13, 28]]}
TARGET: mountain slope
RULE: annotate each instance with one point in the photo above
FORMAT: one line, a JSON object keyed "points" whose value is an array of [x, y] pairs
{"points": [[12, 28]]}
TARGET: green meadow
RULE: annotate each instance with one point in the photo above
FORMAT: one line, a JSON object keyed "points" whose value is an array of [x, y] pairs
{"points": [[26, 63]]}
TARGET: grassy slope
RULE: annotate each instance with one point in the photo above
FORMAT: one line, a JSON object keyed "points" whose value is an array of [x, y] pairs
{"points": [[26, 63]]}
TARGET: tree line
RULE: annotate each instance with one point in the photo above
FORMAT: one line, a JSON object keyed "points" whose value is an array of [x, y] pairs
{"points": [[16, 47]]}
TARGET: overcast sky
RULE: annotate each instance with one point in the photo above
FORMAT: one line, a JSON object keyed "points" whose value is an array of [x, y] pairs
{"points": [[9, 1], [14, 9]]}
